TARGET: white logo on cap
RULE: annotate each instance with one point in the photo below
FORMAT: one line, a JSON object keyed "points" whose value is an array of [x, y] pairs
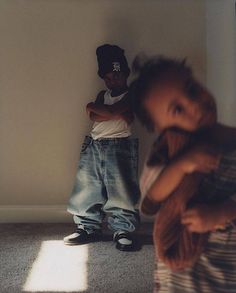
{"points": [[116, 66]]}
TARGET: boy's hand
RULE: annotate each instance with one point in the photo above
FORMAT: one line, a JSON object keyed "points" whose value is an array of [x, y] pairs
{"points": [[202, 218], [89, 107], [199, 160]]}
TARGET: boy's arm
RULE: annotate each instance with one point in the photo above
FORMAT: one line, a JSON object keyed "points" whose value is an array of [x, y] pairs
{"points": [[128, 117], [114, 111], [124, 105], [97, 118], [94, 116]]}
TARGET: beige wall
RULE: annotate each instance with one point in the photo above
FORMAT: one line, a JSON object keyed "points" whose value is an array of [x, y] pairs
{"points": [[221, 56], [48, 74]]}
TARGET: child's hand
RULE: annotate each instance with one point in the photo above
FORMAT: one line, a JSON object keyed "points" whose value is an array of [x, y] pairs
{"points": [[201, 160], [202, 218]]}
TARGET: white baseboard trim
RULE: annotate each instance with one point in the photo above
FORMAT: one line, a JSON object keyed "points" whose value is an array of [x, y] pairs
{"points": [[39, 214]]}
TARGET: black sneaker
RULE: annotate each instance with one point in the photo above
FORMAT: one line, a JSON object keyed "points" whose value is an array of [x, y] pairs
{"points": [[123, 240], [81, 237]]}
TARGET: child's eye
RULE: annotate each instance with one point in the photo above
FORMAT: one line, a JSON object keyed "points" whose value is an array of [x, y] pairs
{"points": [[178, 110]]}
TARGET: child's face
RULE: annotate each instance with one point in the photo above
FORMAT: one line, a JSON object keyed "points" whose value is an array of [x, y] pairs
{"points": [[115, 81], [168, 106]]}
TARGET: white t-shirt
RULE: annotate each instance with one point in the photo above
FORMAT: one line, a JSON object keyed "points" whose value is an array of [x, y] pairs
{"points": [[112, 128]]}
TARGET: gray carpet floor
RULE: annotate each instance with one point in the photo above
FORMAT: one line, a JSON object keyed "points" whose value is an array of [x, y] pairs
{"points": [[33, 258]]}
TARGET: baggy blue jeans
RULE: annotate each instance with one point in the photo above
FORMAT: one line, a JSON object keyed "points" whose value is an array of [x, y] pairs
{"points": [[106, 183]]}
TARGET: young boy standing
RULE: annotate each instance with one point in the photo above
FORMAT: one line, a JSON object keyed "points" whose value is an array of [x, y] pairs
{"points": [[106, 180]]}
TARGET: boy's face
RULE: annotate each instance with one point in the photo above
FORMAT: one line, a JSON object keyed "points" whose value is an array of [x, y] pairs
{"points": [[115, 81], [168, 106]]}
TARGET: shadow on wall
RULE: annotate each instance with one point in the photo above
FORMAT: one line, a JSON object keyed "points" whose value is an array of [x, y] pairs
{"points": [[121, 30]]}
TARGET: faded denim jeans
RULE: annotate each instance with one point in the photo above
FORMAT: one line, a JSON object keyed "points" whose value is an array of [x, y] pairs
{"points": [[106, 183]]}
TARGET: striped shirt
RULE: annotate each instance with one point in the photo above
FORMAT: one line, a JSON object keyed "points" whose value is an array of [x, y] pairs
{"points": [[215, 270]]}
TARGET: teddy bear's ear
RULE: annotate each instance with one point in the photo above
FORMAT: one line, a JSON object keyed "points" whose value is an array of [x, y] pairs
{"points": [[170, 144], [177, 141], [159, 152]]}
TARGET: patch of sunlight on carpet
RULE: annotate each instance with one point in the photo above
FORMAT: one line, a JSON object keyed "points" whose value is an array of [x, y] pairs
{"points": [[58, 268]]}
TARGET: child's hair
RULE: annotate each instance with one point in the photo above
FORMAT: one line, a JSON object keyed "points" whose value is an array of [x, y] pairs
{"points": [[154, 71]]}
